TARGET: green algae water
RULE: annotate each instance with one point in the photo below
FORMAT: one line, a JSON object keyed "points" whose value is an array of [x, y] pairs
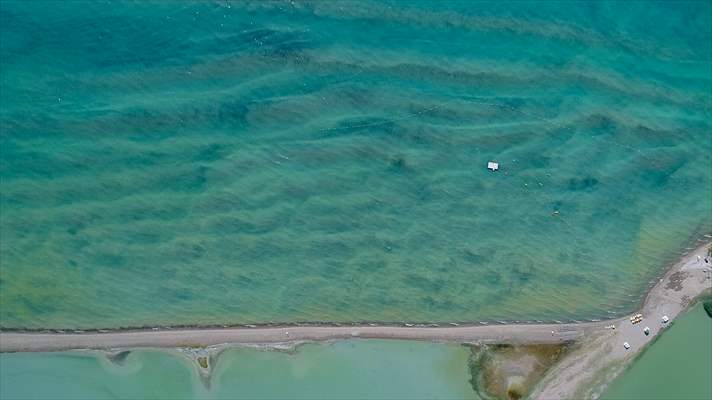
{"points": [[370, 369], [246, 162], [676, 366], [90, 375]]}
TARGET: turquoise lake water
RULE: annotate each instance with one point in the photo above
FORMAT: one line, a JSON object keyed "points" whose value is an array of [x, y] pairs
{"points": [[676, 366], [247, 162], [371, 369]]}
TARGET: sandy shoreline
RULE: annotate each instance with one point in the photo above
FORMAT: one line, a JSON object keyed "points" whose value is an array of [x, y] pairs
{"points": [[601, 348]]}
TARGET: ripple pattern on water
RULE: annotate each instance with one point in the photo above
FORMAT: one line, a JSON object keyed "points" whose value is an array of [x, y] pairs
{"points": [[211, 163]]}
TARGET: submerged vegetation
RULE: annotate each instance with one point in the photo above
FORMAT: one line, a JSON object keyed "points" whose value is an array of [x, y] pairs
{"points": [[198, 163]]}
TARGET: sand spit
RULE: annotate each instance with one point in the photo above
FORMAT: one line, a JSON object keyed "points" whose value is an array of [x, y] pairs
{"points": [[586, 372], [515, 334], [599, 358]]}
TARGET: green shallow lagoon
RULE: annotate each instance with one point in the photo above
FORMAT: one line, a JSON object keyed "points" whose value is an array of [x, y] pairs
{"points": [[90, 375], [246, 162], [677, 366], [358, 369]]}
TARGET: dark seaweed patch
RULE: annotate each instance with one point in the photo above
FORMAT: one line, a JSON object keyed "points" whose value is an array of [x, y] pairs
{"points": [[370, 266], [228, 225], [423, 283], [475, 258], [194, 179], [232, 112], [523, 273], [33, 164], [182, 295], [363, 126], [599, 124], [660, 166], [398, 164], [252, 36], [539, 161], [109, 260], [659, 177], [569, 279], [44, 308], [244, 281], [212, 152], [435, 304], [136, 237], [189, 251], [75, 227], [492, 277], [586, 183]]}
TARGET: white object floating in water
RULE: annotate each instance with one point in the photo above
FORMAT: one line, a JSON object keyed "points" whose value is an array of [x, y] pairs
{"points": [[492, 166], [665, 319], [626, 345]]}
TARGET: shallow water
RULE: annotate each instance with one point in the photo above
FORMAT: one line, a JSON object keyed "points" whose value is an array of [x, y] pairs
{"points": [[90, 375], [676, 366], [358, 369], [213, 162]]}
